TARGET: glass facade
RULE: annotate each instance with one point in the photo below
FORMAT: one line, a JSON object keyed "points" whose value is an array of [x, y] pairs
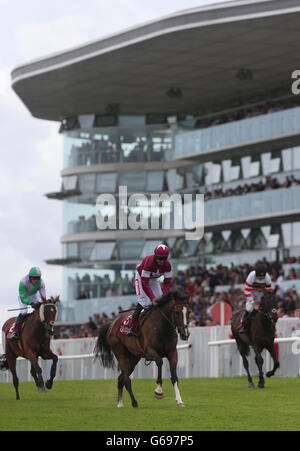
{"points": [[120, 144], [254, 129], [106, 266]]}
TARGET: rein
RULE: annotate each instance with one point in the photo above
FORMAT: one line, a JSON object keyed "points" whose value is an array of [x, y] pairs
{"points": [[165, 316], [42, 316]]}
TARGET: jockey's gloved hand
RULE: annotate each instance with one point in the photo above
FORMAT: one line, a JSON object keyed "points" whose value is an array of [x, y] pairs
{"points": [[35, 305]]}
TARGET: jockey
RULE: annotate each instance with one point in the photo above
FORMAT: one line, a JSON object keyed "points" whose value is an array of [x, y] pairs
{"points": [[29, 289], [147, 283], [257, 282]]}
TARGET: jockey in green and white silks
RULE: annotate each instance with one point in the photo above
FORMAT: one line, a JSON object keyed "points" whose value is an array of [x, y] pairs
{"points": [[31, 293], [31, 288]]}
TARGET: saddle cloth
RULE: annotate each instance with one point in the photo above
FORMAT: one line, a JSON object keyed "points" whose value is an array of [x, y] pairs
{"points": [[126, 323], [13, 329]]}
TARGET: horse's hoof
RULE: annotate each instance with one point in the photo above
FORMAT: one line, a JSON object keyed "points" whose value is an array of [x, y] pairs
{"points": [[251, 385], [180, 404], [135, 405], [120, 405], [269, 374], [261, 385], [158, 395], [42, 389], [49, 385]]}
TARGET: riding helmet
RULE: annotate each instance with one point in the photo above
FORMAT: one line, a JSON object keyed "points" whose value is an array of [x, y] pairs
{"points": [[35, 272], [260, 269], [161, 250]]}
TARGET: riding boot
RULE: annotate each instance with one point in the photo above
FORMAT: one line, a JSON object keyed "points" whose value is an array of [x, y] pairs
{"points": [[134, 318], [245, 317], [16, 335]]}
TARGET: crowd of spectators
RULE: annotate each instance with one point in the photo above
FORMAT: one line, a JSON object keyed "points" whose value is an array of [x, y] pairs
{"points": [[244, 113], [205, 287], [101, 287], [247, 188]]}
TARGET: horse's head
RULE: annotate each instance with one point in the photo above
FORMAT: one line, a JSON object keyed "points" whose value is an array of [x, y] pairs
{"points": [[269, 307], [181, 312], [48, 314]]}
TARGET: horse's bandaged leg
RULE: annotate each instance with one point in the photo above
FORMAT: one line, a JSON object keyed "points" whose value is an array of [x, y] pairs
{"points": [[177, 394]]}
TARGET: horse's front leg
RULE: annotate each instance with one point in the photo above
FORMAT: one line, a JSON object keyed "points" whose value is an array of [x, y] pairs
{"points": [[158, 392], [153, 355], [276, 363], [35, 368], [51, 356], [173, 358], [259, 362]]}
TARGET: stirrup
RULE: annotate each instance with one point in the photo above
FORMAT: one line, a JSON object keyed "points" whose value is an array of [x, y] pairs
{"points": [[15, 336], [131, 333]]}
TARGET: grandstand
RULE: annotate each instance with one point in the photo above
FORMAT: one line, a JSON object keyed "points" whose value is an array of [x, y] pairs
{"points": [[196, 102]]}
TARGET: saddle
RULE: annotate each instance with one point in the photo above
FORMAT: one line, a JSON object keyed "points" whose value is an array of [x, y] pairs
{"points": [[15, 328], [126, 323]]}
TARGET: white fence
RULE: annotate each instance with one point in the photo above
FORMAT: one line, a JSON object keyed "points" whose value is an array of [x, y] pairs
{"points": [[80, 366], [200, 360]]}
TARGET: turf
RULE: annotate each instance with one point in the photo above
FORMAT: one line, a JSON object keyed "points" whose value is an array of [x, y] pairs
{"points": [[211, 405]]}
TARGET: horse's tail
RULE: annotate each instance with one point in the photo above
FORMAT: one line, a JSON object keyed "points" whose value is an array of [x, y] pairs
{"points": [[3, 363], [102, 349]]}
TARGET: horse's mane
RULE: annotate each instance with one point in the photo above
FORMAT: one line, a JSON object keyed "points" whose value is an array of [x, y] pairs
{"points": [[164, 299]]}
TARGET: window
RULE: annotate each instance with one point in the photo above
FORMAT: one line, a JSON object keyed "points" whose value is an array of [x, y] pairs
{"points": [[102, 251], [72, 250], [135, 181], [87, 183], [106, 182], [131, 249], [70, 183], [155, 181], [85, 249]]}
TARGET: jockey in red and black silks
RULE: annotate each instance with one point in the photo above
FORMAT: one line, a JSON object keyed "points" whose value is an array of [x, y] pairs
{"points": [[147, 284]]}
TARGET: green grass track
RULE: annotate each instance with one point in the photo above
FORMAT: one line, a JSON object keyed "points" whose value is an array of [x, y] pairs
{"points": [[211, 405]]}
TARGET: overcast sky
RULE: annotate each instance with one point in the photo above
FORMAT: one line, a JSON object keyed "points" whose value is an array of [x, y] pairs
{"points": [[31, 149]]}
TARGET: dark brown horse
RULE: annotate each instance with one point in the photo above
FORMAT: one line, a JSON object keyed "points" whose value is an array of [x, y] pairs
{"points": [[260, 335], [156, 339], [34, 342]]}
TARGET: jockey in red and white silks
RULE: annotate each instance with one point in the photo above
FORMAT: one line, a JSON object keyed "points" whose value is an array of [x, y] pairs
{"points": [[257, 282], [147, 284]]}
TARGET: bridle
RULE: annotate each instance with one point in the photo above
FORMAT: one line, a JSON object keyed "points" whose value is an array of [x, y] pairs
{"points": [[270, 315], [49, 327], [185, 330]]}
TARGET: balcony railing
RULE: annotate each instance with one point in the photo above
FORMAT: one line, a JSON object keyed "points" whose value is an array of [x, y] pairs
{"points": [[255, 204], [245, 131]]}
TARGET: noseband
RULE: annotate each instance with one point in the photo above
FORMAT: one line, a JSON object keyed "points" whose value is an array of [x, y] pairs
{"points": [[48, 326], [270, 315]]}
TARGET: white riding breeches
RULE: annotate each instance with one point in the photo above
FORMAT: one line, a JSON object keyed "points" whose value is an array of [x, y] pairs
{"points": [[142, 298]]}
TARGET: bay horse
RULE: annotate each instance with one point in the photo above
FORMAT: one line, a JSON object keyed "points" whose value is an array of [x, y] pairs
{"points": [[34, 342], [260, 335], [157, 338]]}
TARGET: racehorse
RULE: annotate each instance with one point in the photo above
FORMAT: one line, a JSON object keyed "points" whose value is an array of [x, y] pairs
{"points": [[157, 338], [34, 342], [260, 335]]}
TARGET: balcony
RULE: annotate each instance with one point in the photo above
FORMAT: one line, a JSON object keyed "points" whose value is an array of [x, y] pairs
{"points": [[253, 209], [272, 131]]}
